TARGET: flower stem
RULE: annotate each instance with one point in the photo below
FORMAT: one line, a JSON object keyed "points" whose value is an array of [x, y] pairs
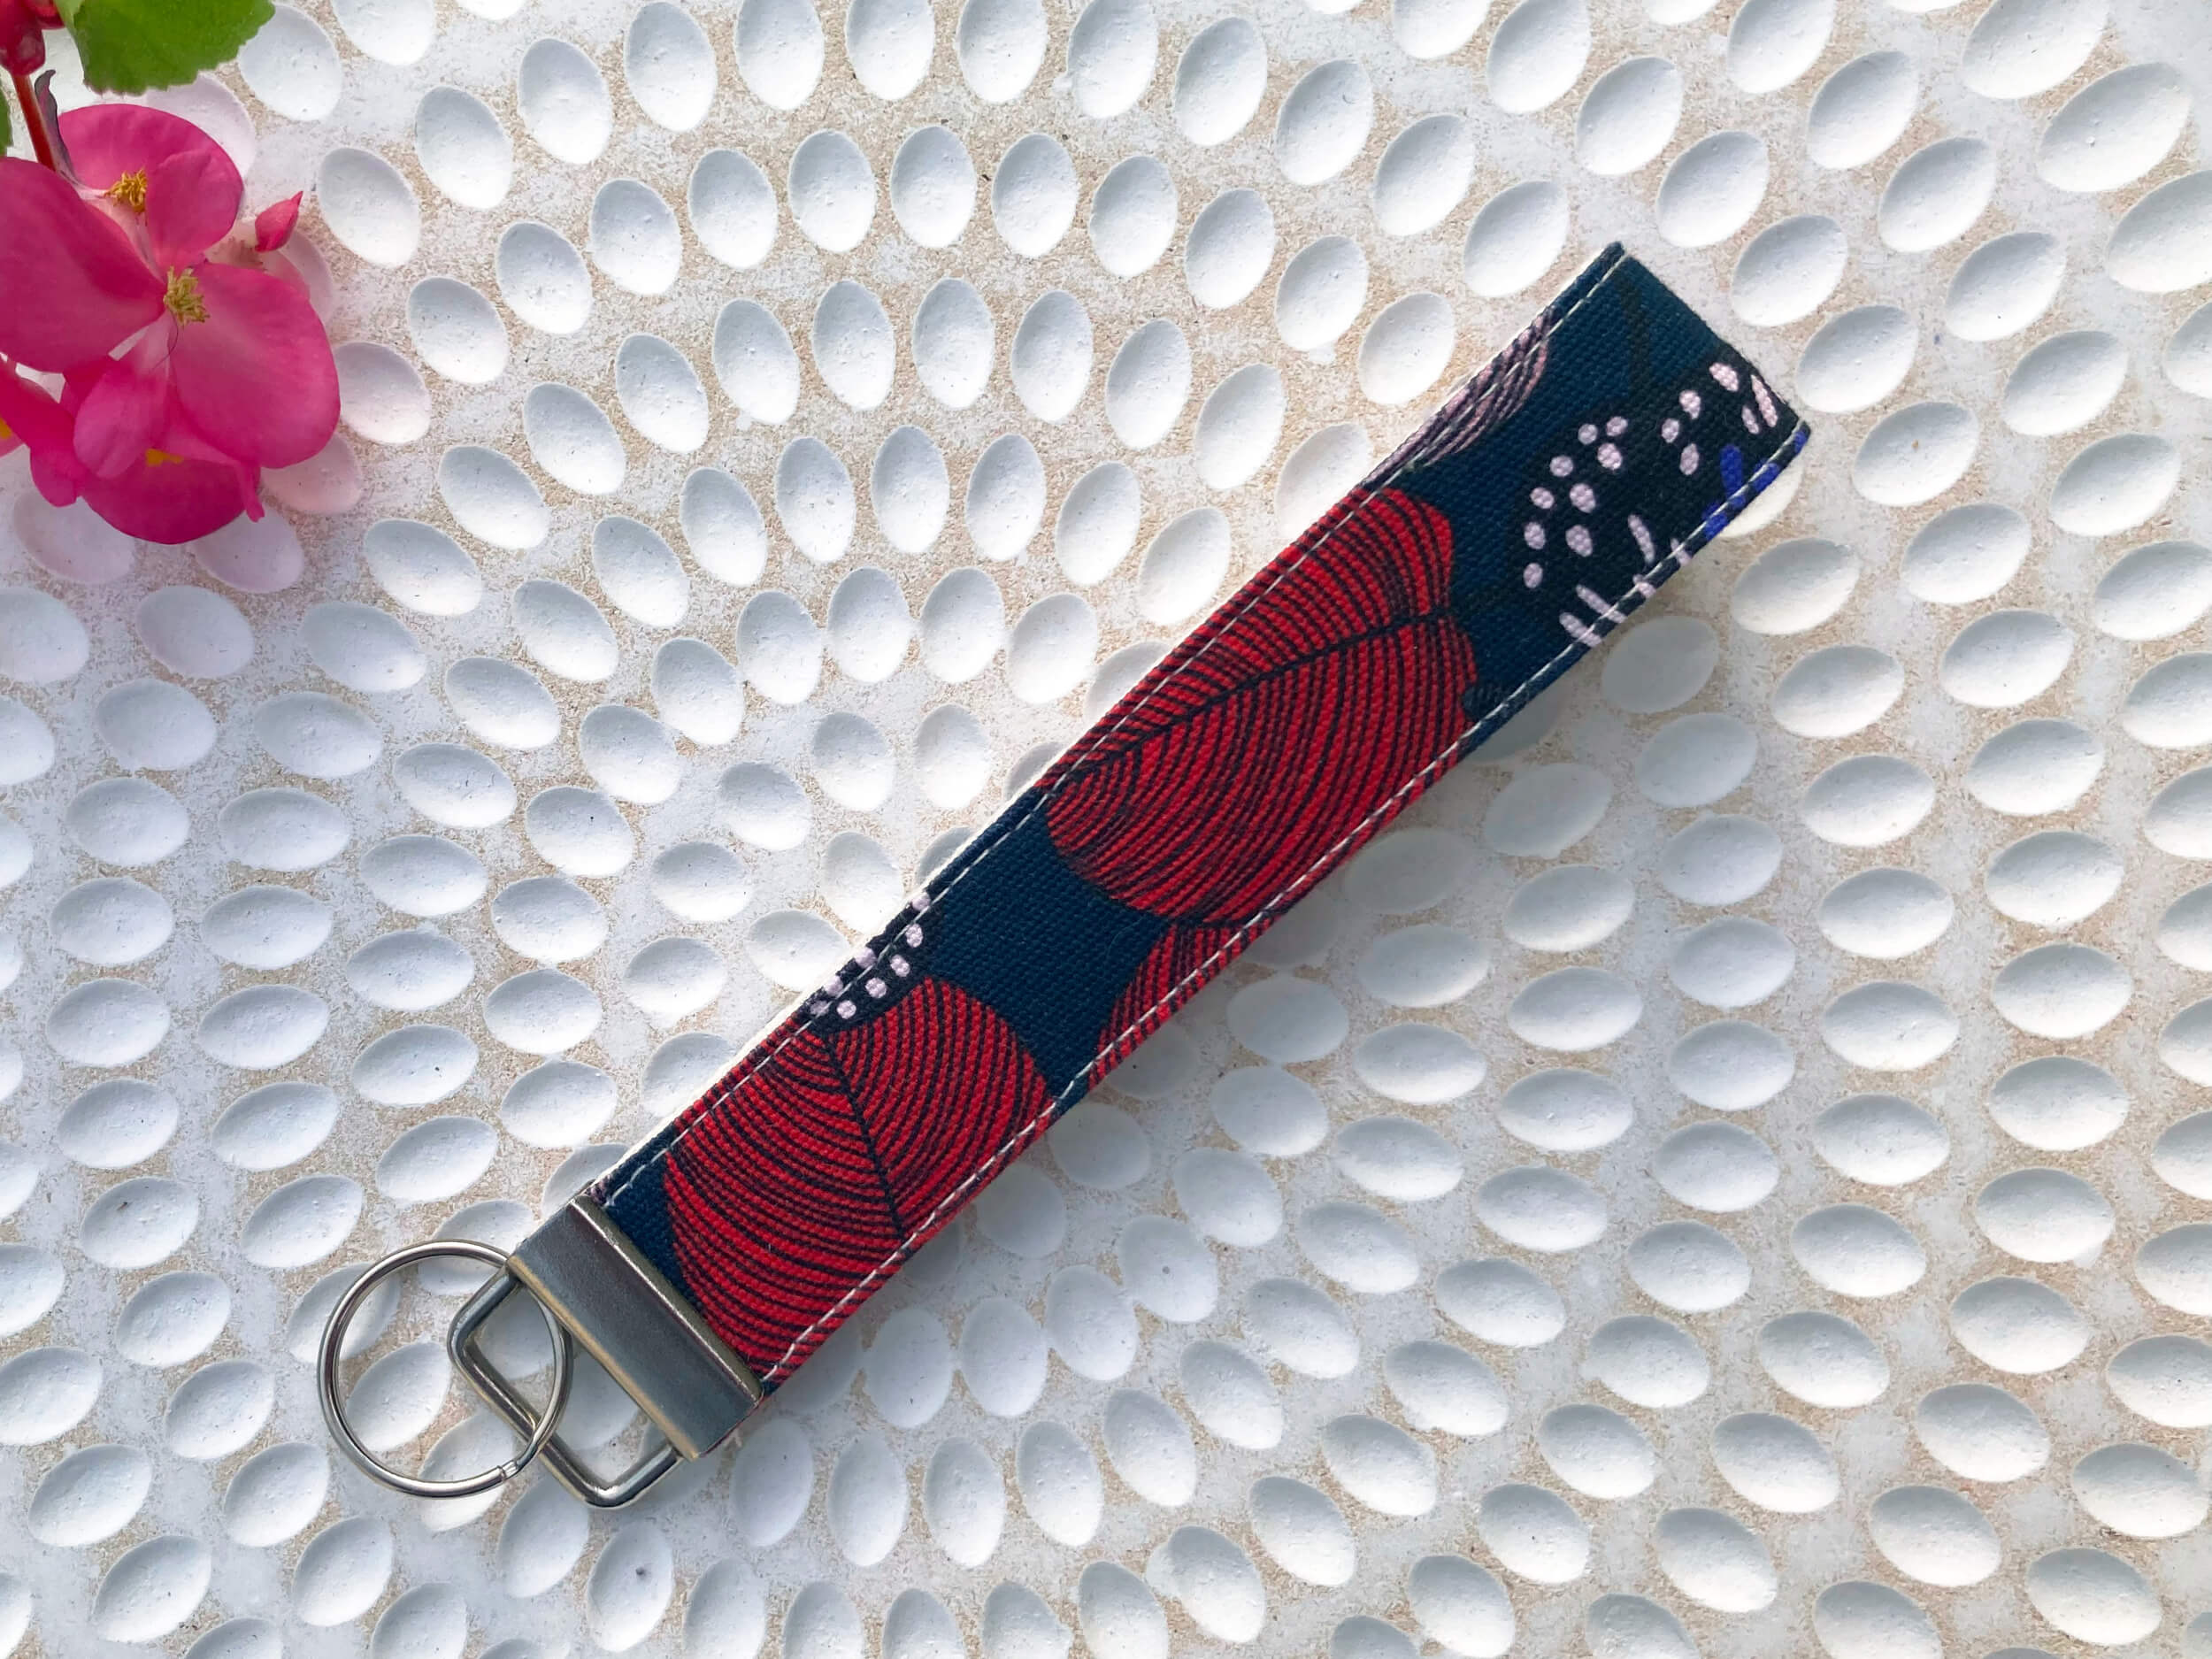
{"points": [[33, 122]]}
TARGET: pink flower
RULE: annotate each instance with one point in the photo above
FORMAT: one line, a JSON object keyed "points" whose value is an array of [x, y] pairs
{"points": [[191, 357], [165, 496]]}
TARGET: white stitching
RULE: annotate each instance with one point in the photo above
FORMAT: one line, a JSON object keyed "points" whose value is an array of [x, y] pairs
{"points": [[752, 1060], [1231, 947]]}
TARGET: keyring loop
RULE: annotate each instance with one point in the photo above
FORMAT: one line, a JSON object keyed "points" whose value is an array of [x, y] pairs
{"points": [[334, 1342]]}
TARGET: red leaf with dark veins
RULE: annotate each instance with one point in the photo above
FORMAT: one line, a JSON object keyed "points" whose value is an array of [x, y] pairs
{"points": [[856, 1146], [1353, 668]]}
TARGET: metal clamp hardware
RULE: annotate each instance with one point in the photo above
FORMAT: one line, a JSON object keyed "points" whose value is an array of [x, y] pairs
{"points": [[595, 1291], [537, 1429], [500, 1394], [615, 1306]]}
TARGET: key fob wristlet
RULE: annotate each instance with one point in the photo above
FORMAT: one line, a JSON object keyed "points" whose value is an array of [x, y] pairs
{"points": [[1544, 502]]}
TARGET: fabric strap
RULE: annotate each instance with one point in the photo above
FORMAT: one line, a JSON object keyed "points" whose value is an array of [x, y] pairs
{"points": [[1543, 503]]}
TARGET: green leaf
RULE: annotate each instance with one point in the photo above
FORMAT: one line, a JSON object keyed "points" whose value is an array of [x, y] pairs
{"points": [[129, 45], [7, 130]]}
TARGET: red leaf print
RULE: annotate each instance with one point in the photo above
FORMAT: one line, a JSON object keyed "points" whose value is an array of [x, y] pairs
{"points": [[1332, 680], [1169, 976], [854, 1147]]}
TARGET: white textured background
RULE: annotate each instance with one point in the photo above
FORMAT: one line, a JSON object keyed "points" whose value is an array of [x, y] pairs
{"points": [[1028, 1401]]}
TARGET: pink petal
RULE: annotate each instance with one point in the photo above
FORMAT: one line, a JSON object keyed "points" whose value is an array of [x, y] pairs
{"points": [[273, 225], [20, 409], [257, 377], [191, 202], [72, 287], [33, 417], [107, 141], [187, 490], [177, 501], [60, 485], [122, 416]]}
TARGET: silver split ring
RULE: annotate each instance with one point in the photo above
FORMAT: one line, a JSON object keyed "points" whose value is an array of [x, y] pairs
{"points": [[334, 1343]]}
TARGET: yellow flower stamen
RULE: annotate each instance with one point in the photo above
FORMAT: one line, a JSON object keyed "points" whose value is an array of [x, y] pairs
{"points": [[183, 298], [7, 431], [130, 191], [162, 457]]}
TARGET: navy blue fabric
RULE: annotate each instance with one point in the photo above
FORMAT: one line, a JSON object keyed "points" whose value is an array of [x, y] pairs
{"points": [[1045, 950], [1545, 501]]}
